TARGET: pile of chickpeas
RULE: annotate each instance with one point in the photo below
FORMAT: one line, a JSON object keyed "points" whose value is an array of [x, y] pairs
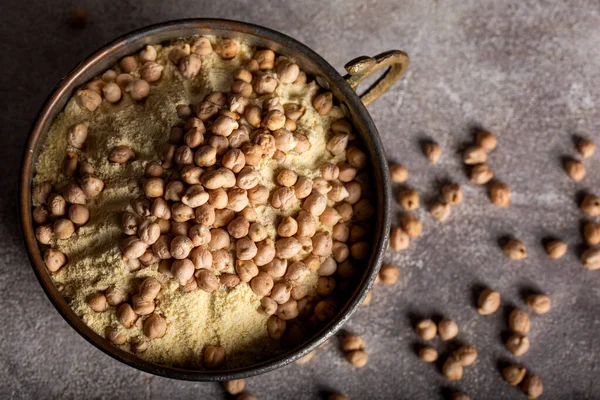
{"points": [[197, 219], [58, 212]]}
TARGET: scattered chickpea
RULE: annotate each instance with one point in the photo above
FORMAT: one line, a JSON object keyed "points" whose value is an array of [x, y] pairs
{"points": [[440, 211], [90, 99], [358, 358], [426, 329], [411, 225], [575, 169], [114, 336], [433, 151], [77, 136], [428, 354], [120, 154], [488, 302], [481, 174], [539, 303], [408, 199], [532, 386], [556, 249], [125, 315], [519, 321], [486, 140], [111, 92], [514, 374], [389, 274], [590, 205], [452, 369], [474, 155], [500, 194], [515, 249], [63, 228], [79, 214], [151, 72], [399, 240], [466, 355], [447, 329], [353, 342], [517, 344], [235, 386], [398, 173], [452, 193], [591, 258], [586, 148]]}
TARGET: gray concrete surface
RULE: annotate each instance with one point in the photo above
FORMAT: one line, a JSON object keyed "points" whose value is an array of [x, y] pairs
{"points": [[527, 70]]}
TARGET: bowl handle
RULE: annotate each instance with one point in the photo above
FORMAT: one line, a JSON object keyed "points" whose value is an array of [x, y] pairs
{"points": [[362, 67]]}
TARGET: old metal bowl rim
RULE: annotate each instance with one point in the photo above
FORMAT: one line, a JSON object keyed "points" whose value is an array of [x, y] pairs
{"points": [[63, 88]]}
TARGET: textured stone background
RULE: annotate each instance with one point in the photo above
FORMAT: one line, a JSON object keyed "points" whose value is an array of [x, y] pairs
{"points": [[527, 70]]}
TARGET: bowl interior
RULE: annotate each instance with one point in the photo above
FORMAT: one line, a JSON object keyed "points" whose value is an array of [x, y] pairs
{"points": [[310, 62]]}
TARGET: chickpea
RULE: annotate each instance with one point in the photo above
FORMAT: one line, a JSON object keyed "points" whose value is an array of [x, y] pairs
{"points": [[274, 120], [519, 321], [341, 232], [590, 205], [515, 249], [114, 336], [202, 47], [293, 111], [202, 258], [167, 155], [41, 192], [128, 64], [575, 169], [264, 84], [287, 72], [322, 244], [226, 49], [63, 228], [109, 75], [207, 280], [178, 52], [200, 235], [268, 306], [217, 199], [356, 233], [389, 274], [184, 156], [245, 249], [323, 103], [125, 315], [347, 172], [123, 80], [257, 232], [77, 137], [190, 66], [518, 344], [182, 270], [356, 157], [79, 214], [229, 280], [262, 284], [181, 213], [399, 240], [302, 143], [532, 387], [253, 154], [452, 193], [354, 192], [280, 292], [120, 154], [148, 54], [315, 204], [447, 329], [206, 110], [288, 247], [238, 228], [54, 260], [398, 173], [486, 140], [41, 214], [283, 198], [246, 270], [409, 199], [253, 115], [363, 210], [481, 174], [287, 310], [195, 196], [556, 248], [488, 302], [193, 138], [237, 199], [111, 92], [440, 211], [97, 302], [223, 217], [265, 253], [591, 233], [428, 354], [411, 225], [452, 369], [321, 186], [340, 251], [352, 342], [514, 374], [358, 358], [539, 303], [426, 329], [276, 327], [139, 89], [500, 194], [325, 285], [161, 247], [155, 326], [219, 239], [276, 267], [296, 272], [466, 355], [180, 247], [474, 155], [90, 99]]}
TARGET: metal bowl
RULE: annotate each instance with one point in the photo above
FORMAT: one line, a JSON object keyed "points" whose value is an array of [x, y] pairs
{"points": [[309, 61]]}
